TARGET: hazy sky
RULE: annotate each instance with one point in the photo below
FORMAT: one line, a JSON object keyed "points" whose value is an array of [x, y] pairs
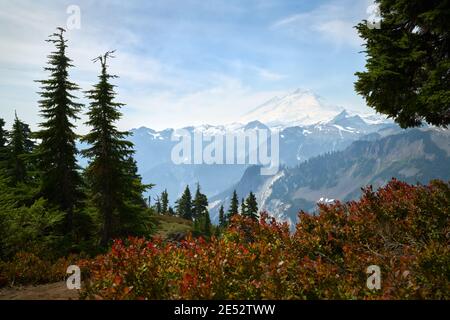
{"points": [[186, 62]]}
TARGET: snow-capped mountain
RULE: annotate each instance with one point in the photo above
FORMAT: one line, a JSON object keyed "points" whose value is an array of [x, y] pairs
{"points": [[299, 108], [304, 108], [325, 153], [296, 144], [307, 128]]}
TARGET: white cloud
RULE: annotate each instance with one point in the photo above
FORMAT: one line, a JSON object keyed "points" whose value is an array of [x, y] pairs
{"points": [[159, 88], [333, 22], [221, 103], [155, 93], [340, 32], [263, 73], [270, 76]]}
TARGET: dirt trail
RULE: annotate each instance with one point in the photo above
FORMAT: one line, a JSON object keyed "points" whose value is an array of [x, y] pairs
{"points": [[53, 291]]}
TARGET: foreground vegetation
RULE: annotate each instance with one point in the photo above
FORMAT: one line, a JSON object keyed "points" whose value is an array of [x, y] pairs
{"points": [[401, 228]]}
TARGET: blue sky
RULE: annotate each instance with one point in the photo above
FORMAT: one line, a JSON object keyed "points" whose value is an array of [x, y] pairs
{"points": [[187, 62]]}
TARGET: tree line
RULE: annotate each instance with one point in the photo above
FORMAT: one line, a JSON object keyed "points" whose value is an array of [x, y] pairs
{"points": [[49, 204], [196, 209], [47, 199]]}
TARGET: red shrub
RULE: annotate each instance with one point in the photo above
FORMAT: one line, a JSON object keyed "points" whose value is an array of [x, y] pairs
{"points": [[401, 228]]}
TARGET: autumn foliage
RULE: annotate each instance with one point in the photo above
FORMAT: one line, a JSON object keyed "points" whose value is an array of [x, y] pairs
{"points": [[401, 228], [27, 268]]}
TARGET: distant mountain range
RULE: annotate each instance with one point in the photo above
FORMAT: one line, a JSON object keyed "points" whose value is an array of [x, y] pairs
{"points": [[412, 156], [299, 108], [326, 153], [311, 134]]}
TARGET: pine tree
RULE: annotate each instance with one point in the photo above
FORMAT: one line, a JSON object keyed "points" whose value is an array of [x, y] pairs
{"points": [[57, 152], [206, 224], [164, 201], [199, 204], [134, 195], [171, 212], [200, 212], [115, 186], [234, 206], [243, 208], [158, 205], [184, 205], [222, 218], [19, 149], [251, 206]]}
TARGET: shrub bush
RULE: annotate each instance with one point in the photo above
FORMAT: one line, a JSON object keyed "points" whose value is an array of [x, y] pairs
{"points": [[28, 269], [401, 228]]}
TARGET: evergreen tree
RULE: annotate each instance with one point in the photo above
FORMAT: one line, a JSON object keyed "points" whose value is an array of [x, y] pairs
{"points": [[200, 212], [19, 148], [408, 62], [134, 195], [234, 206], [243, 207], [158, 205], [171, 212], [222, 218], [251, 206], [164, 202], [207, 226], [57, 152], [199, 204], [115, 186], [184, 205]]}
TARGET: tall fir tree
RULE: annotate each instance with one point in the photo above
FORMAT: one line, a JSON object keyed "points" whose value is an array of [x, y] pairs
{"points": [[206, 224], [222, 217], [135, 192], [164, 202], [243, 207], [115, 188], [20, 147], [57, 152], [199, 204], [251, 206], [234, 206], [184, 205], [200, 211], [158, 205]]}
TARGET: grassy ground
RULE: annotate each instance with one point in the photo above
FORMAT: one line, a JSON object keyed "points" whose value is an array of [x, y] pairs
{"points": [[168, 226]]}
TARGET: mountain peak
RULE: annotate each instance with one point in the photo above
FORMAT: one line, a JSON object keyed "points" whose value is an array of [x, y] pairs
{"points": [[302, 91], [255, 125], [300, 107], [345, 119], [343, 115]]}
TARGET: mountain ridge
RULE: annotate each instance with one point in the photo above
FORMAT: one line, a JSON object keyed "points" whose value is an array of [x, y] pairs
{"points": [[416, 155]]}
